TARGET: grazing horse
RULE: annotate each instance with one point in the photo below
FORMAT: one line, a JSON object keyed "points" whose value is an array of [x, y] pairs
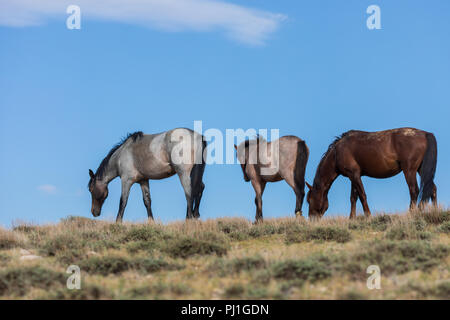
{"points": [[381, 154], [261, 162], [140, 157]]}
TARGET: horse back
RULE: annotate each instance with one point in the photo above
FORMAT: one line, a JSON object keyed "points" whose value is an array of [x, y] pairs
{"points": [[381, 154], [151, 157]]}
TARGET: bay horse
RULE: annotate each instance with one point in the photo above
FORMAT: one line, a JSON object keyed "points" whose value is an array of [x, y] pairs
{"points": [[288, 160], [381, 154], [141, 157]]}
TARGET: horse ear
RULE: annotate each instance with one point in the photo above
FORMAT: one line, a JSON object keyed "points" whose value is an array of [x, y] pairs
{"points": [[235, 146], [308, 185], [91, 174]]}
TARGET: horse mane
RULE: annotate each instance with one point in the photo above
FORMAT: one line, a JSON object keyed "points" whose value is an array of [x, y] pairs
{"points": [[258, 138], [101, 169], [330, 149]]}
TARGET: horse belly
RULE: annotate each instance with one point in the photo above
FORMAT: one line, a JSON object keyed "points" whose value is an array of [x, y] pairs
{"points": [[152, 161], [380, 167]]}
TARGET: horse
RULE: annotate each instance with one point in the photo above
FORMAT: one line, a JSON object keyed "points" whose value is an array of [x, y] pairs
{"points": [[141, 157], [282, 159], [381, 154]]}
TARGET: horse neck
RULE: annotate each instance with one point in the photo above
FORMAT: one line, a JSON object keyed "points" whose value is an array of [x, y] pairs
{"points": [[111, 171], [327, 172]]}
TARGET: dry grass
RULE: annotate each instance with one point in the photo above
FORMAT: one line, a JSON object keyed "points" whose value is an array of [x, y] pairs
{"points": [[286, 258]]}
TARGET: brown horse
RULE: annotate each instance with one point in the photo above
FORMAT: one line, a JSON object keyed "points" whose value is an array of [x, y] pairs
{"points": [[282, 159], [381, 155]]}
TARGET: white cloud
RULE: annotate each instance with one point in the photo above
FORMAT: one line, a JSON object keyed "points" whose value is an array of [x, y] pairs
{"points": [[47, 188], [247, 25]]}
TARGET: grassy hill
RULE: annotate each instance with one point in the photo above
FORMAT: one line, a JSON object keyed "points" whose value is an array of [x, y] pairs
{"points": [[285, 258]]}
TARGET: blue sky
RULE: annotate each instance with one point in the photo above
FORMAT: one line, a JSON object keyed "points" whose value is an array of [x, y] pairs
{"points": [[308, 68]]}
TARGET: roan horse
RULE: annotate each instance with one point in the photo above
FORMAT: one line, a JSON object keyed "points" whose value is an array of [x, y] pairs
{"points": [[380, 154], [140, 157], [287, 161]]}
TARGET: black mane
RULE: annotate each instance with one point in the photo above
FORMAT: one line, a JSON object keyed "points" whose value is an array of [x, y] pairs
{"points": [[330, 148], [257, 138], [101, 169]]}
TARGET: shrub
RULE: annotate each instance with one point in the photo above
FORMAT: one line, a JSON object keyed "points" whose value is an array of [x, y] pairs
{"points": [[257, 292], [105, 265], [4, 259], [100, 245], [70, 256], [24, 228], [36, 235], [236, 265], [18, 281], [392, 257], [116, 264], [90, 235], [262, 230], [234, 291], [442, 290], [312, 269], [232, 225], [445, 227], [261, 276], [234, 229], [286, 286], [136, 246], [352, 295], [211, 237], [150, 291], [411, 230], [146, 265], [115, 229], [86, 292], [186, 247], [380, 222], [435, 216], [358, 223], [61, 243], [146, 233], [79, 222], [145, 291], [329, 233], [419, 224], [247, 263], [295, 235], [9, 240]]}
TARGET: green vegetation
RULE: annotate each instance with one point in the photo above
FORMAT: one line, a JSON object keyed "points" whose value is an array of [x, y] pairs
{"points": [[287, 258]]}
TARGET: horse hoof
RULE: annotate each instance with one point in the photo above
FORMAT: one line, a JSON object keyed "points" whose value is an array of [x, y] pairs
{"points": [[298, 214]]}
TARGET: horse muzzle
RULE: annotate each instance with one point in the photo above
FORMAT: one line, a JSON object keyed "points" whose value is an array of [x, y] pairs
{"points": [[95, 213]]}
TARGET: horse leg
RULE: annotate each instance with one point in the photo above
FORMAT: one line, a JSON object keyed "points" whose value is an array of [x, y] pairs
{"points": [[126, 185], [185, 180], [411, 180], [434, 196], [299, 196], [362, 194], [353, 199], [146, 197], [197, 200], [259, 190]]}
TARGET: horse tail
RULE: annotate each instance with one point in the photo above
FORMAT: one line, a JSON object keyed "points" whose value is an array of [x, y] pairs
{"points": [[428, 169], [197, 171], [300, 165]]}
